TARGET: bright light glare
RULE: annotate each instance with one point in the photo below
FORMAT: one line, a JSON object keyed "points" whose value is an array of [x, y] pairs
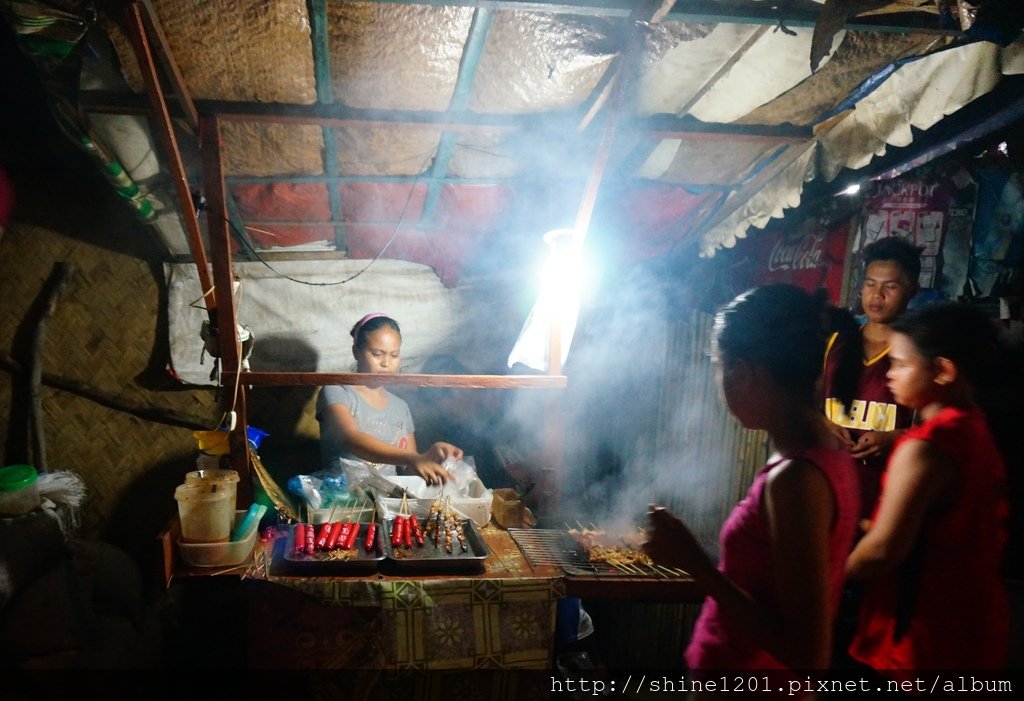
{"points": [[851, 189], [567, 272], [562, 278]]}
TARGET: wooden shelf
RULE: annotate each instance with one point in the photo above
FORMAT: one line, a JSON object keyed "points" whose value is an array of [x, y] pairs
{"points": [[406, 380]]}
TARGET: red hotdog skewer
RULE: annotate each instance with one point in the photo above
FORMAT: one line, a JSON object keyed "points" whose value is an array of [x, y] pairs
{"points": [[323, 534], [346, 528], [332, 542], [407, 532], [417, 531], [352, 535], [396, 530], [300, 538], [310, 539], [371, 536], [330, 527]]}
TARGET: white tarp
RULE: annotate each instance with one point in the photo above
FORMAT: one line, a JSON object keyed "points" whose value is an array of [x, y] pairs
{"points": [[304, 326], [920, 93]]}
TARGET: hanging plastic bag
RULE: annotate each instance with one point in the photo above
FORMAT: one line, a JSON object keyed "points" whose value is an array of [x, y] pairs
{"points": [[463, 473]]}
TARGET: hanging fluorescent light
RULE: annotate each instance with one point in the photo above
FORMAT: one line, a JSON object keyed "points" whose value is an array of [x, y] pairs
{"points": [[558, 304]]}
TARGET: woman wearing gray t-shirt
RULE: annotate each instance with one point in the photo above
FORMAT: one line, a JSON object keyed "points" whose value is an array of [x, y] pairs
{"points": [[369, 423]]}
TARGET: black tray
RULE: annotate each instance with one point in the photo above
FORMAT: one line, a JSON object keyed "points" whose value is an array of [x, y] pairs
{"points": [[430, 558], [320, 562]]}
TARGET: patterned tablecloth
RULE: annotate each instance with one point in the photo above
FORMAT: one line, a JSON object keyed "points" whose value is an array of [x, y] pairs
{"points": [[503, 617]]}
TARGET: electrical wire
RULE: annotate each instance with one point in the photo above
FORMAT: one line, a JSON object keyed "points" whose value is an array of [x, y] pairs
{"points": [[401, 219], [238, 382], [245, 242], [195, 303]]}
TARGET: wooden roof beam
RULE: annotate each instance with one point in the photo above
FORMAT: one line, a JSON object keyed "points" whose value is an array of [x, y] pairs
{"points": [[790, 14], [664, 126], [165, 132], [316, 379], [170, 66]]}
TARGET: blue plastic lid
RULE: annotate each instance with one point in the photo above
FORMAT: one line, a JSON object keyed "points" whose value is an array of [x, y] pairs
{"points": [[15, 477], [255, 436]]}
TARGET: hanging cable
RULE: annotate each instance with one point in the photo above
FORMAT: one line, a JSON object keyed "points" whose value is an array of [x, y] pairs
{"points": [[394, 234]]}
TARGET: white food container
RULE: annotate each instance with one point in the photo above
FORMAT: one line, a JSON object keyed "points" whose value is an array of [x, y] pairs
{"points": [[225, 554], [476, 506]]}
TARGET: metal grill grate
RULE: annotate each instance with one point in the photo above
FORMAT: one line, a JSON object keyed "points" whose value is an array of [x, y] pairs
{"points": [[548, 547], [552, 547]]}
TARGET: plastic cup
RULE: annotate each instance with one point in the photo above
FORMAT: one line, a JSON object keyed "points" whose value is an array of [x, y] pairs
{"points": [[206, 514], [218, 480], [19, 490]]}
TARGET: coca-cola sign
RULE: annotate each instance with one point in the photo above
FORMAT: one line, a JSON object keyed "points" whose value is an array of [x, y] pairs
{"points": [[810, 257], [797, 253]]}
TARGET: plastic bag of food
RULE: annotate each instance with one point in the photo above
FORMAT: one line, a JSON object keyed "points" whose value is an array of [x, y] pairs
{"points": [[307, 488], [463, 472]]}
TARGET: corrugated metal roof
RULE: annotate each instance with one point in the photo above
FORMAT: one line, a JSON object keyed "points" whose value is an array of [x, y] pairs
{"points": [[436, 128]]}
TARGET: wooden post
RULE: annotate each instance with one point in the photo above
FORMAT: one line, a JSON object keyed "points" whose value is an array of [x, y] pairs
{"points": [[165, 133], [233, 399], [54, 285]]}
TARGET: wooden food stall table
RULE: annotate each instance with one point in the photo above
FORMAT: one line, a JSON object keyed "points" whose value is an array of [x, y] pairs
{"points": [[501, 617]]}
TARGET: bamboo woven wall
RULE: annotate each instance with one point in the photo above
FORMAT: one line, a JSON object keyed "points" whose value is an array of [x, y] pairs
{"points": [[98, 342]]}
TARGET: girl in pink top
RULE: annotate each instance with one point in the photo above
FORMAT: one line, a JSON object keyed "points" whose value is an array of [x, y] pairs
{"points": [[934, 598], [773, 596]]}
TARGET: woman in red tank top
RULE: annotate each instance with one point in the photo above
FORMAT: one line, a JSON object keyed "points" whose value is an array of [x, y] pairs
{"points": [[934, 598]]}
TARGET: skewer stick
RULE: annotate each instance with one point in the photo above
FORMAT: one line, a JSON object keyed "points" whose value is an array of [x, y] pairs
{"points": [[659, 571]]}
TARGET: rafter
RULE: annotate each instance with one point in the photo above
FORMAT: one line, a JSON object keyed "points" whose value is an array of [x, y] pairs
{"points": [[803, 13], [665, 126], [165, 132]]}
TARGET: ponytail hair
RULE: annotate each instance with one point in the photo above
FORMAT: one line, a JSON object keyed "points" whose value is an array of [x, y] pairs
{"points": [[784, 329]]}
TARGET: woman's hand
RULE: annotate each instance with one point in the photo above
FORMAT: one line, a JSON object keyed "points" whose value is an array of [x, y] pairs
{"points": [[430, 463], [430, 470], [439, 452], [874, 442], [670, 543], [841, 434]]}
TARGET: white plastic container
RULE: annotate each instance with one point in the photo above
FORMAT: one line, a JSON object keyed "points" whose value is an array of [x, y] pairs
{"points": [[217, 479], [19, 490], [205, 513], [476, 506], [353, 508], [218, 554]]}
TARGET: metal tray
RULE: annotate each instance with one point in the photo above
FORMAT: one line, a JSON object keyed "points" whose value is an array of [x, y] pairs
{"points": [[430, 559], [320, 562]]}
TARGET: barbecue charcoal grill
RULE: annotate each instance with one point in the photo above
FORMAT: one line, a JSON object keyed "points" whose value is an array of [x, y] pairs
{"points": [[553, 547]]}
